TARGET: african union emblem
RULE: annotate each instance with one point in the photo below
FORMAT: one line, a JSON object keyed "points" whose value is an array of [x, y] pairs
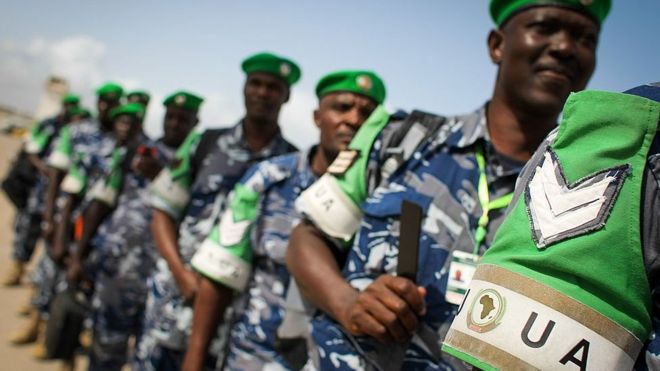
{"points": [[180, 100], [486, 311], [364, 82], [285, 69]]}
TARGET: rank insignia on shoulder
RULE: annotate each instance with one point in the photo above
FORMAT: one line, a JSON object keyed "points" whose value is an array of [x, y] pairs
{"points": [[343, 161], [559, 210]]}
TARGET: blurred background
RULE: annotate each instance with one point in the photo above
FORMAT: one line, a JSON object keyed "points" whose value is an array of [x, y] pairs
{"points": [[432, 54]]}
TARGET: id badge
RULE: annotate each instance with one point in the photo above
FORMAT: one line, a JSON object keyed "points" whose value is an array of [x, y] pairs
{"points": [[461, 270]]}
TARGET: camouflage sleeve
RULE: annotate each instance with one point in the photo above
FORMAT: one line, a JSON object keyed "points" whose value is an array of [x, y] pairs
{"points": [[650, 357], [107, 189], [36, 140], [61, 157], [226, 255], [170, 191], [333, 202]]}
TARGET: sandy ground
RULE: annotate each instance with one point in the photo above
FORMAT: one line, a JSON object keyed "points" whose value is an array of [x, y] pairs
{"points": [[13, 357]]}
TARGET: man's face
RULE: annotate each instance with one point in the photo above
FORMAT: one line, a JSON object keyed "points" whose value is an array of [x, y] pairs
{"points": [[66, 110], [125, 128], [177, 124], [544, 53], [339, 116], [104, 105], [264, 96]]}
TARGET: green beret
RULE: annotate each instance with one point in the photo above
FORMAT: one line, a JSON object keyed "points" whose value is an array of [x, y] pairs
{"points": [[502, 10], [184, 100], [141, 94], [135, 110], [271, 63], [366, 83], [71, 99], [80, 111], [109, 90]]}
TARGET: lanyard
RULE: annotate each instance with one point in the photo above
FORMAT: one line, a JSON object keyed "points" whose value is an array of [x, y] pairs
{"points": [[484, 199]]}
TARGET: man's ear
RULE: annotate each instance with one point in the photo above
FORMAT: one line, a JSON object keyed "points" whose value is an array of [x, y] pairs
{"points": [[495, 45], [317, 118], [288, 94]]}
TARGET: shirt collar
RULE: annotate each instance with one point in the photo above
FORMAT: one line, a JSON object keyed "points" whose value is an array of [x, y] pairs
{"points": [[277, 145], [466, 130]]}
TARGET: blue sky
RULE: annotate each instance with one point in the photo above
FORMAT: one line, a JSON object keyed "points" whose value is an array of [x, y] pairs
{"points": [[431, 53]]}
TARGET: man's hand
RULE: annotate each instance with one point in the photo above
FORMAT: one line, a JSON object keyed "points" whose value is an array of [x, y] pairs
{"points": [[188, 283], [75, 272], [387, 310], [146, 166]]}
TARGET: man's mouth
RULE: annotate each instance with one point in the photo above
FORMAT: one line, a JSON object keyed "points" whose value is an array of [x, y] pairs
{"points": [[556, 73]]}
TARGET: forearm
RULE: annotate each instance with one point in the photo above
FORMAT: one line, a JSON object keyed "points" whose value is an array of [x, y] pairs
{"points": [[92, 219], [38, 163], [62, 231], [210, 304], [318, 275], [163, 230], [54, 179]]}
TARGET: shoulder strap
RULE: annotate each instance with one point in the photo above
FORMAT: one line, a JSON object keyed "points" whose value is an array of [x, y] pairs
{"points": [[205, 146], [125, 165], [415, 129]]}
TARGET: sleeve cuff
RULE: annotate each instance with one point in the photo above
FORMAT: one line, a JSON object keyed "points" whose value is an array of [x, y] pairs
{"points": [[221, 266], [325, 205], [168, 195], [104, 193], [32, 147], [59, 161], [72, 185]]}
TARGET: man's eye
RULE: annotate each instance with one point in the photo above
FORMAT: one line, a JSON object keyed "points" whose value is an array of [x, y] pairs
{"points": [[544, 28], [342, 107], [589, 40]]}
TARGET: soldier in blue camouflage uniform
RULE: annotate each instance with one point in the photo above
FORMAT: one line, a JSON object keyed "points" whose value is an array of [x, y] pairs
{"points": [[27, 226], [596, 116], [82, 152], [189, 196], [245, 251], [122, 251], [459, 170]]}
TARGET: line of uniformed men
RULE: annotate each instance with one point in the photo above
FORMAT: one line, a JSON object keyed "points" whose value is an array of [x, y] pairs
{"points": [[235, 213]]}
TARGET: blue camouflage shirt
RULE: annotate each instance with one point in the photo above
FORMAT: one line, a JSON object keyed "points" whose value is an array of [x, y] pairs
{"points": [[442, 177], [84, 151], [252, 238], [123, 245], [41, 142], [195, 195]]}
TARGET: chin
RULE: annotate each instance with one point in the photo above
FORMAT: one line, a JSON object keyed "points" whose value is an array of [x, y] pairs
{"points": [[546, 103]]}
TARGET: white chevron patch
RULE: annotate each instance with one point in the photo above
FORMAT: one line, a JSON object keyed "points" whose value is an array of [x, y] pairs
{"points": [[558, 210], [231, 232]]}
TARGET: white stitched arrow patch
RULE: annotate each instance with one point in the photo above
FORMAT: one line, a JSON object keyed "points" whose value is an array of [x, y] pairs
{"points": [[231, 232], [558, 210]]}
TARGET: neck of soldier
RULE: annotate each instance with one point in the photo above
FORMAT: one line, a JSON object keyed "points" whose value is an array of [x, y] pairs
{"points": [[106, 126], [259, 133], [516, 132], [321, 160]]}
